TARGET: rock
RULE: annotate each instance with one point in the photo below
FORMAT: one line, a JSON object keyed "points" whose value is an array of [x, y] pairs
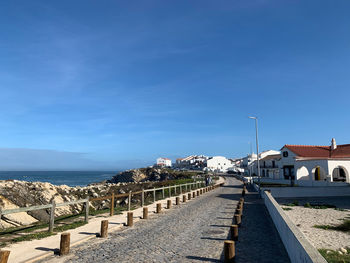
{"points": [[328, 252], [343, 250], [135, 176], [15, 219], [340, 253], [95, 195]]}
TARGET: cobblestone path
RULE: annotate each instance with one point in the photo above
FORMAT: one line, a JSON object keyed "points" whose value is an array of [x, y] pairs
{"points": [[193, 232]]}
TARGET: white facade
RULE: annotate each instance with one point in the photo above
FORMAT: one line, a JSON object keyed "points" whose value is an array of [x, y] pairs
{"points": [[219, 164], [165, 162]]}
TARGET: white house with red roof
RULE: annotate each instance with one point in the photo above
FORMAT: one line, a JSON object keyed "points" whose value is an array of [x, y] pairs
{"points": [[315, 163], [163, 162]]}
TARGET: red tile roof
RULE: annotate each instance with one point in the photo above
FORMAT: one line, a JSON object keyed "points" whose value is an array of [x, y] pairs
{"points": [[314, 151]]}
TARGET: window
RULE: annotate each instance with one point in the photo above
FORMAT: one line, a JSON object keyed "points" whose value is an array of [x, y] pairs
{"points": [[285, 154], [273, 164]]}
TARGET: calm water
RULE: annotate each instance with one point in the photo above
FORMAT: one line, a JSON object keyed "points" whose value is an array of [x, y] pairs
{"points": [[73, 178]]}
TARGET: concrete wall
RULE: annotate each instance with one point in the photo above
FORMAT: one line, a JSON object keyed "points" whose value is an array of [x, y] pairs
{"points": [[298, 247]]}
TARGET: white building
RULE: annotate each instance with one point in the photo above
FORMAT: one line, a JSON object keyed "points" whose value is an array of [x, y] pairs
{"points": [[163, 162], [250, 163], [269, 166], [219, 164], [316, 163]]}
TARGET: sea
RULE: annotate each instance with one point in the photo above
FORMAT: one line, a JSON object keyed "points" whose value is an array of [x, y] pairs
{"points": [[70, 178]]}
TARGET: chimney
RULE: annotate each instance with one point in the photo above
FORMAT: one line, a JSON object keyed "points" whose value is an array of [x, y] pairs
{"points": [[333, 145]]}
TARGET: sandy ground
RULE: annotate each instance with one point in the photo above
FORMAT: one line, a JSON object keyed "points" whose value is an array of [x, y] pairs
{"points": [[306, 218]]}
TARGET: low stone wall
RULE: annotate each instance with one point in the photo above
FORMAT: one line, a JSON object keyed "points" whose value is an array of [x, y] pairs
{"points": [[298, 247], [302, 182], [309, 191]]}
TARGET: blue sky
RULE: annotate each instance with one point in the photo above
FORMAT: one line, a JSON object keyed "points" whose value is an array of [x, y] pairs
{"points": [[115, 84]]}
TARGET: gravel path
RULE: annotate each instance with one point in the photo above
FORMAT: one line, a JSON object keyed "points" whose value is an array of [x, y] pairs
{"points": [[192, 232]]}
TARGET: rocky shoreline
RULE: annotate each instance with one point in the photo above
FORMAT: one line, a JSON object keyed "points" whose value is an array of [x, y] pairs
{"points": [[15, 194]]}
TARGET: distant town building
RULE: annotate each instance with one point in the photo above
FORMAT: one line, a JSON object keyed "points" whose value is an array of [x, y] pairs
{"points": [[163, 162], [192, 162]]}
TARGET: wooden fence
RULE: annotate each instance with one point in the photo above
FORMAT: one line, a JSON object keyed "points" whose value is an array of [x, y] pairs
{"points": [[112, 198]]}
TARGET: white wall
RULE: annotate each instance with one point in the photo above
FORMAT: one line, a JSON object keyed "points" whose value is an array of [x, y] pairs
{"points": [[302, 165], [219, 163]]}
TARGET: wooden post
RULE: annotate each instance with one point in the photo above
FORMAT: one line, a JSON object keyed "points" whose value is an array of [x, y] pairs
{"points": [[186, 187], [200, 191], [163, 192], [168, 204], [145, 213], [234, 232], [154, 194], [159, 208], [241, 200], [4, 256], [238, 220], [130, 219], [143, 197], [197, 192], [169, 191], [87, 206], [184, 198], [229, 251], [189, 196], [243, 193], [111, 208], [180, 188], [104, 228], [52, 216], [64, 244], [129, 201], [239, 212], [175, 189], [177, 200], [193, 194]]}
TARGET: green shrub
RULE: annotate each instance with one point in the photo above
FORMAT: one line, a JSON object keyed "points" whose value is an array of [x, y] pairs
{"points": [[334, 256]]}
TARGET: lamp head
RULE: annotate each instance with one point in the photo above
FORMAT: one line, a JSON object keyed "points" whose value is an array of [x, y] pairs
{"points": [[250, 117]]}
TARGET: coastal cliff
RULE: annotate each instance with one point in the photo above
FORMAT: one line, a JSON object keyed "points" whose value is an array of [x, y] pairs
{"points": [[15, 194]]}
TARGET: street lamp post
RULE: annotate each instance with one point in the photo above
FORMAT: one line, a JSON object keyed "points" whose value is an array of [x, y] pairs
{"points": [[257, 148]]}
